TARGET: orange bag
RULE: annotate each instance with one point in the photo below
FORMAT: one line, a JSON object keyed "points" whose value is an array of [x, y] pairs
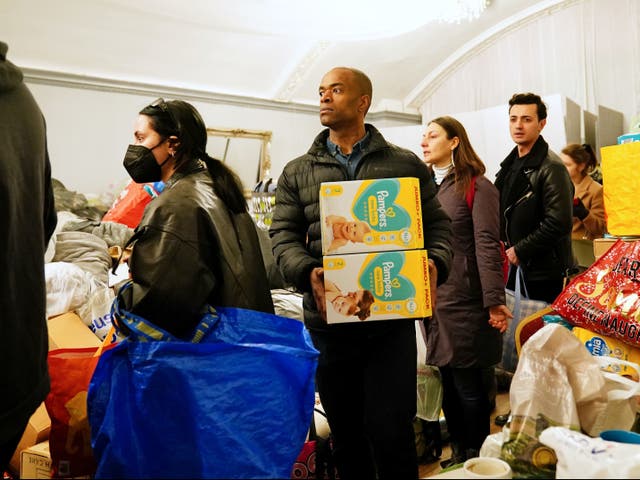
{"points": [[130, 204], [71, 370], [605, 298]]}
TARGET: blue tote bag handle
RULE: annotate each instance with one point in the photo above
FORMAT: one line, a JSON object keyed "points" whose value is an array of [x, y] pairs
{"points": [[139, 329]]}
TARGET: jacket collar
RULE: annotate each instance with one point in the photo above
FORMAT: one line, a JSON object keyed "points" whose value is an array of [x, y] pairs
{"points": [[376, 141], [533, 159], [187, 169]]}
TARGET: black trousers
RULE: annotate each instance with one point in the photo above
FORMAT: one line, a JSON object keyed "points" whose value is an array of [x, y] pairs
{"points": [[366, 379], [466, 405], [8, 445]]}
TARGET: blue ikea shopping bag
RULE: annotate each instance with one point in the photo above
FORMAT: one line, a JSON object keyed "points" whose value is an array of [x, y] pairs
{"points": [[237, 404]]}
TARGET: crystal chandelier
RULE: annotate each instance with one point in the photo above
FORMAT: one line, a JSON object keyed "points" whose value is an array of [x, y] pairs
{"points": [[461, 10], [329, 20], [372, 19]]}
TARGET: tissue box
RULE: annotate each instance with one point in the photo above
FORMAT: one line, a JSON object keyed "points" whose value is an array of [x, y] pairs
{"points": [[377, 286], [363, 216]]}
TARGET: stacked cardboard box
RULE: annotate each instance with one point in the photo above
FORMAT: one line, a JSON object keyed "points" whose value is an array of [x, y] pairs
{"points": [[373, 243]]}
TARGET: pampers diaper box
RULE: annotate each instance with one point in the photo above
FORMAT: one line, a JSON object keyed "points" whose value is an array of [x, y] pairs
{"points": [[361, 216], [397, 283]]}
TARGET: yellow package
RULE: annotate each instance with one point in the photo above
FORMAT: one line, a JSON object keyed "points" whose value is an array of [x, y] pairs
{"points": [[362, 216], [377, 286], [600, 345], [620, 188]]}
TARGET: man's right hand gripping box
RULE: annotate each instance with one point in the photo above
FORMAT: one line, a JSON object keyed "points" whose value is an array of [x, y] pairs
{"points": [[377, 286], [362, 216]]}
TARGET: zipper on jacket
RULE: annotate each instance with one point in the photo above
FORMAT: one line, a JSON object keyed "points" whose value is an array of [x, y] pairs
{"points": [[507, 210]]}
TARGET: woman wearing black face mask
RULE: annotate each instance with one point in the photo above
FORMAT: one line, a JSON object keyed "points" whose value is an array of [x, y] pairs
{"points": [[196, 243]]}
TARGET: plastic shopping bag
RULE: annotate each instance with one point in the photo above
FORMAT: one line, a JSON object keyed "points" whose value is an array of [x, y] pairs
{"points": [[555, 380], [237, 404], [522, 307], [605, 298], [70, 370], [581, 456]]}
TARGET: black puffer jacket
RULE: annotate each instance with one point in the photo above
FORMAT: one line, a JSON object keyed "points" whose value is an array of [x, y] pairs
{"points": [[189, 251], [28, 219], [295, 230], [537, 212]]}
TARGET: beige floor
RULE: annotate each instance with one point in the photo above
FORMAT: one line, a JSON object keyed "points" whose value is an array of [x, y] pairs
{"points": [[502, 406]]}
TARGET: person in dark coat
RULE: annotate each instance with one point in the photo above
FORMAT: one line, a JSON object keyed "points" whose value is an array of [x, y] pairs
{"points": [[196, 244], [28, 218], [536, 206], [536, 203], [464, 335], [366, 374]]}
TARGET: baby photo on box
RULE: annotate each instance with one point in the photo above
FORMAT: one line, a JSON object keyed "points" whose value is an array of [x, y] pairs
{"points": [[370, 215], [377, 286]]}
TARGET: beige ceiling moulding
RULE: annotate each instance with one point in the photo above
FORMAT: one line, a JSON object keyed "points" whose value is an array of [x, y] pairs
{"points": [[71, 80]]}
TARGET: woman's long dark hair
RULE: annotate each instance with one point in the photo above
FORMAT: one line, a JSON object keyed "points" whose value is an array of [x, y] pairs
{"points": [[582, 155], [467, 163], [181, 119]]}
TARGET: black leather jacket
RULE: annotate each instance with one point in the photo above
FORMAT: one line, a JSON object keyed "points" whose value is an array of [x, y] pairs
{"points": [[537, 213], [191, 251], [295, 229]]}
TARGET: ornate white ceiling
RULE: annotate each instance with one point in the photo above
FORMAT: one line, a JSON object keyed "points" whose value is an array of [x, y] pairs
{"points": [[247, 48]]}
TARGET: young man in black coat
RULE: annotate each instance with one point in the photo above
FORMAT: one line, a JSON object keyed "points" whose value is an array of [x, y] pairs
{"points": [[536, 203]]}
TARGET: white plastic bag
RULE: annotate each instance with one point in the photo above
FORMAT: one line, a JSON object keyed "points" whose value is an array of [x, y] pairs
{"points": [[619, 411], [580, 456], [555, 377], [68, 287], [96, 312]]}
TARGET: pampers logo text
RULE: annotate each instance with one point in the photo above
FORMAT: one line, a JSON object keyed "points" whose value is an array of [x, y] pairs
{"points": [[378, 208], [383, 282], [382, 276]]}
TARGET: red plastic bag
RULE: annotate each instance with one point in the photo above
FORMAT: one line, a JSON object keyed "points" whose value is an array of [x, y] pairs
{"points": [[605, 298], [71, 370], [130, 204]]}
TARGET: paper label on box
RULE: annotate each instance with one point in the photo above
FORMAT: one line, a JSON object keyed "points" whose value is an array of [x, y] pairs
{"points": [[371, 215], [385, 285], [36, 461]]}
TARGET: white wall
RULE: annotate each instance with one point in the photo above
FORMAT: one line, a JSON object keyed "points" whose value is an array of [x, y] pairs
{"points": [[89, 130]]}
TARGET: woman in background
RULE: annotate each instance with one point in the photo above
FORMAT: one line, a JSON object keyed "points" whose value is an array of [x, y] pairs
{"points": [[196, 243], [588, 201], [464, 335]]}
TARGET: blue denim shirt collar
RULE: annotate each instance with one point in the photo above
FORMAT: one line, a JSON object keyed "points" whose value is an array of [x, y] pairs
{"points": [[351, 160]]}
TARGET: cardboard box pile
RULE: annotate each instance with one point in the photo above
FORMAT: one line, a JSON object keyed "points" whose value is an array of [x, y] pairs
{"points": [[375, 267]]}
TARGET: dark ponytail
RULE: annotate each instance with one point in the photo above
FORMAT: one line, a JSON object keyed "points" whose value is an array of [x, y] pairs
{"points": [[226, 184], [177, 117]]}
